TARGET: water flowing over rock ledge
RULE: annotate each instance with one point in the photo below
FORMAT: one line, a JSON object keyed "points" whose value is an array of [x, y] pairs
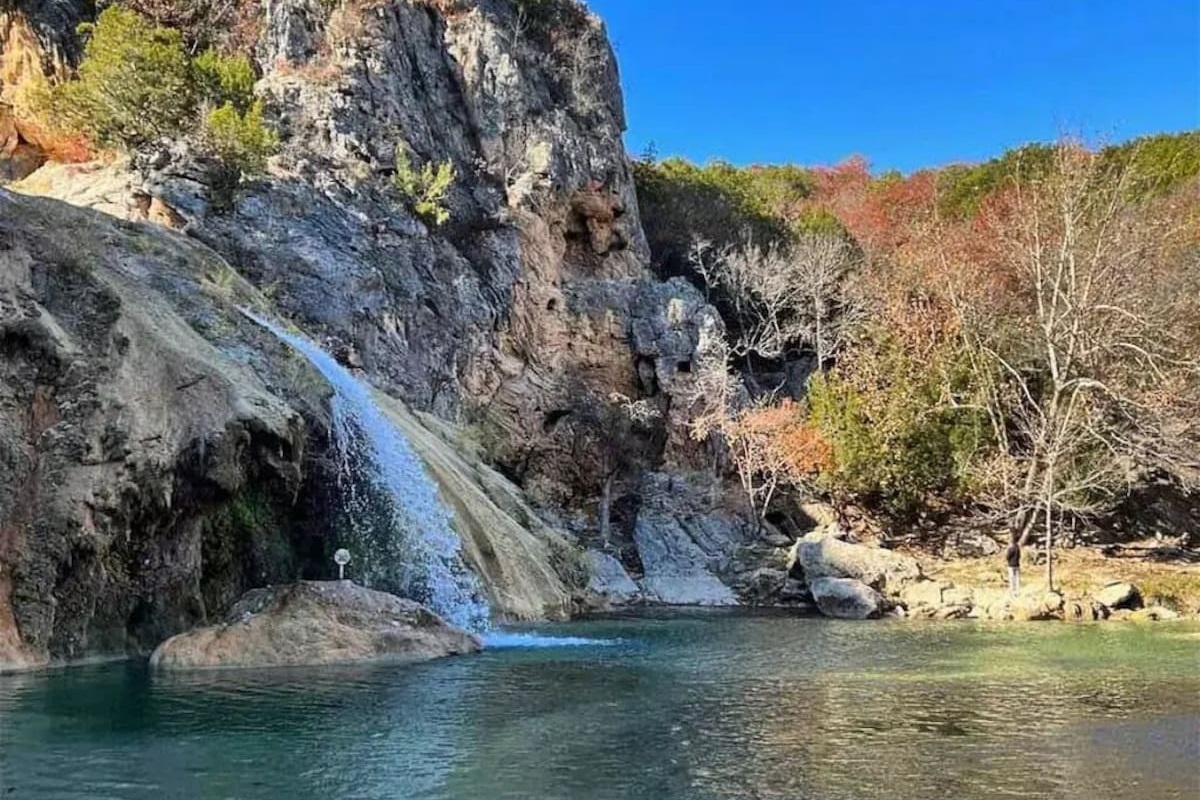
{"points": [[167, 454]]}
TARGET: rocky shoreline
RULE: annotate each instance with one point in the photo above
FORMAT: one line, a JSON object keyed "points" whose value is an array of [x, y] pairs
{"points": [[824, 572]]}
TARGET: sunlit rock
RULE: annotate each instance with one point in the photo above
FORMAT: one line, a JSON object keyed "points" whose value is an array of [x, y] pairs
{"points": [[312, 623]]}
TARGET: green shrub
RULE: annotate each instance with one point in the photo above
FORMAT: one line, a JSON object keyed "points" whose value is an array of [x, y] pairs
{"points": [[240, 143], [225, 79], [425, 190], [962, 188], [1158, 163], [134, 83], [895, 440], [717, 202]]}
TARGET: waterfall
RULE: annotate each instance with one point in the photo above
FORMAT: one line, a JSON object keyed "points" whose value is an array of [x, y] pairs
{"points": [[385, 484]]}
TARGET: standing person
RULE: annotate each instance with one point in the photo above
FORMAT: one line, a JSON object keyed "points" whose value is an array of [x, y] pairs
{"points": [[1013, 556]]}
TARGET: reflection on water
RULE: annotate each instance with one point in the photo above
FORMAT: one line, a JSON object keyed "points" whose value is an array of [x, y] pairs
{"points": [[686, 708]]}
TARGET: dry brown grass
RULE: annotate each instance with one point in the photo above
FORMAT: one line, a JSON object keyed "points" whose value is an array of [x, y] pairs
{"points": [[1082, 570]]}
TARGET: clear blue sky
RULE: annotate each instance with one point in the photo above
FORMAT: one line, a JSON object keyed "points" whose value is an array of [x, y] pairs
{"points": [[907, 83]]}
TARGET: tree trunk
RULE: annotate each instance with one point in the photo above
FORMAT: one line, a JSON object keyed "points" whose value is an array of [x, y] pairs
{"points": [[605, 509], [1049, 550]]}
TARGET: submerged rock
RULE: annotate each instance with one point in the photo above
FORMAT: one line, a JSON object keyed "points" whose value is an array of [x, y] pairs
{"points": [[312, 623], [1148, 614], [846, 598]]}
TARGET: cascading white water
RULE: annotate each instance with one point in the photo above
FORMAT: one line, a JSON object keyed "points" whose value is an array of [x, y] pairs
{"points": [[374, 455]]}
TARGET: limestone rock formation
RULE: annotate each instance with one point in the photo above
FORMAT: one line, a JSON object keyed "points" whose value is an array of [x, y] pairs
{"points": [[314, 623], [178, 422], [683, 541], [1118, 595], [160, 454], [826, 556], [129, 443], [846, 598], [529, 569], [608, 581]]}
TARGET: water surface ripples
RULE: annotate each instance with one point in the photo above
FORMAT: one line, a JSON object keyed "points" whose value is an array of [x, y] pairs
{"points": [[703, 707]]}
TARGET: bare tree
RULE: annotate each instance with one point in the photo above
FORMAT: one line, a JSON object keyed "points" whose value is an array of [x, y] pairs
{"points": [[759, 436], [609, 435], [1088, 341], [783, 297]]}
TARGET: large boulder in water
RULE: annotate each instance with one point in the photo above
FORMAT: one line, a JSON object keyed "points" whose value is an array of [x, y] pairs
{"points": [[826, 556], [312, 623], [846, 598]]}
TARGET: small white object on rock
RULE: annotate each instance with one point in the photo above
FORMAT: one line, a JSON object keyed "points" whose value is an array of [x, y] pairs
{"points": [[341, 558]]}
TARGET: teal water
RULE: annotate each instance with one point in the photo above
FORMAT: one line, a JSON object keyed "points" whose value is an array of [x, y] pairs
{"points": [[673, 708]]}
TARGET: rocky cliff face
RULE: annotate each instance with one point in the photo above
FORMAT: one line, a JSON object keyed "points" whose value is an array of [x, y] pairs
{"points": [[141, 470], [538, 285]]}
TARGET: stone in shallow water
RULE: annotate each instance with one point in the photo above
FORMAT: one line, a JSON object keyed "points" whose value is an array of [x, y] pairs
{"points": [[312, 623], [1033, 603], [846, 598]]}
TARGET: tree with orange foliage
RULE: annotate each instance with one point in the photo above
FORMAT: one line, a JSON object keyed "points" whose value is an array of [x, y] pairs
{"points": [[770, 444]]}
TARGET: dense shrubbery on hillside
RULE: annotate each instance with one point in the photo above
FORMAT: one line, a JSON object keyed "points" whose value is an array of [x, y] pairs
{"points": [[720, 203], [136, 83], [1025, 336]]}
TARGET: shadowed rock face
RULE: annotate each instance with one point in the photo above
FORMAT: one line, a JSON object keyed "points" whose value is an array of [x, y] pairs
{"points": [[314, 623], [129, 444]]}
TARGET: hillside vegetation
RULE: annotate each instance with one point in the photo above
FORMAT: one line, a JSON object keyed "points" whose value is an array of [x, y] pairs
{"points": [[1013, 343]]}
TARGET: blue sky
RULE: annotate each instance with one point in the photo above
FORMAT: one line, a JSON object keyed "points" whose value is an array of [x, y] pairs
{"points": [[907, 83]]}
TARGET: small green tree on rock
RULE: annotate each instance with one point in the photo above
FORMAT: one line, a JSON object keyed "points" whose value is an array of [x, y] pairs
{"points": [[240, 143], [426, 189], [134, 83]]}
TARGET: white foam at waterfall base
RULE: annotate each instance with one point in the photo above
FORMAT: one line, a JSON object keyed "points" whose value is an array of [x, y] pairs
{"points": [[509, 640], [429, 564]]}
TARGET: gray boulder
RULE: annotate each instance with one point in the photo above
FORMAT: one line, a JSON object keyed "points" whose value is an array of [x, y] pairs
{"points": [[608, 580], [684, 543], [829, 557], [846, 598], [688, 590], [313, 623], [1119, 595]]}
